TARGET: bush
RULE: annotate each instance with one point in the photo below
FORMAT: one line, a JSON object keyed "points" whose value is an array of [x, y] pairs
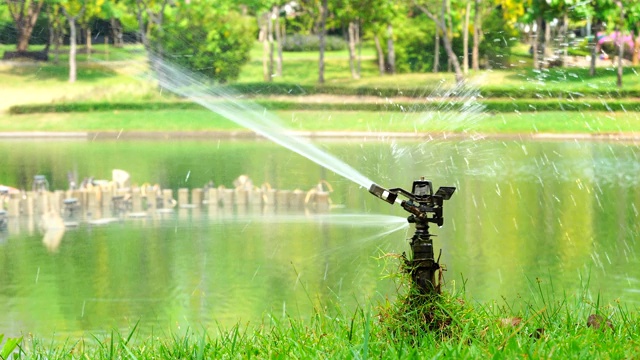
{"points": [[298, 42], [213, 43], [414, 45], [499, 38]]}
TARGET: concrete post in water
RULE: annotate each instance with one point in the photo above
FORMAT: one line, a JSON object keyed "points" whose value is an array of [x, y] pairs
{"points": [[57, 201], [213, 199], [13, 208], [297, 199], [196, 197], [254, 198], [226, 198], [93, 202], [41, 202], [240, 196], [136, 200], [282, 199], [29, 203], [322, 200], [183, 197], [107, 200], [151, 200], [269, 197], [167, 199]]}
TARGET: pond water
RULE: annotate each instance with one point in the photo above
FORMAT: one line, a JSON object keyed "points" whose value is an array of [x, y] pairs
{"points": [[562, 215]]}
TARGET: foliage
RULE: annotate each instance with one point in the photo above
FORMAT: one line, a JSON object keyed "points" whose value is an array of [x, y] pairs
{"points": [[207, 40], [9, 33], [299, 42], [9, 346], [414, 45], [500, 37]]}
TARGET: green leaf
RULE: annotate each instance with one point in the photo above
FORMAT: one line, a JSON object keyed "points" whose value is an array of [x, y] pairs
{"points": [[9, 346]]}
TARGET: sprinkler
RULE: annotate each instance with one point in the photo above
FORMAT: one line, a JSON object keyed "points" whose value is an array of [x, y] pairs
{"points": [[425, 207]]}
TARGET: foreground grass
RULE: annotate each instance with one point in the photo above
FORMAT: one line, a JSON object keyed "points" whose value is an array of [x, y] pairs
{"points": [[557, 122], [546, 327]]}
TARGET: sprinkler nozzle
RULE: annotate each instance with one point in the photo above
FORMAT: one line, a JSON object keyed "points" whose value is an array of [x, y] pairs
{"points": [[383, 194]]}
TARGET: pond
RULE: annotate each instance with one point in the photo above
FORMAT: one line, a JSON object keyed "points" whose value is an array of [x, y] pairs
{"points": [[561, 216]]}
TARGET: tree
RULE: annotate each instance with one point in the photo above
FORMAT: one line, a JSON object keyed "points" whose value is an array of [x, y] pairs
{"points": [[348, 15], [446, 37], [475, 53], [268, 14], [465, 56], [597, 12], [322, 33], [24, 14], [56, 28], [73, 10], [375, 17], [207, 38]]}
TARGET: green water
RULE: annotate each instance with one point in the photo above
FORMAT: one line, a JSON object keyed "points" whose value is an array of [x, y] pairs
{"points": [[561, 213]]}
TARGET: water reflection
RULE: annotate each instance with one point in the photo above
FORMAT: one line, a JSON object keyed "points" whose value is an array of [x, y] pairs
{"points": [[561, 212]]}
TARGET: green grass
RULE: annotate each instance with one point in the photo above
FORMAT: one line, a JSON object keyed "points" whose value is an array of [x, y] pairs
{"points": [[446, 327], [99, 52], [420, 122], [116, 86]]}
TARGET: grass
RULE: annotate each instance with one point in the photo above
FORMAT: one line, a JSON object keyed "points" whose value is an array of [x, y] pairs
{"points": [[421, 122], [566, 327]]}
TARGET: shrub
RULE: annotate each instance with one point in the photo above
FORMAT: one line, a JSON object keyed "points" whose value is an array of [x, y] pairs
{"points": [[298, 42], [207, 41]]}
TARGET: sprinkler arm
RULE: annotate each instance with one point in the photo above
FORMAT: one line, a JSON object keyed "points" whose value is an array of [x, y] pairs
{"points": [[420, 203]]}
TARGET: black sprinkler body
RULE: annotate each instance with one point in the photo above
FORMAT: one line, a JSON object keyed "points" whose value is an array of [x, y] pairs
{"points": [[425, 207]]}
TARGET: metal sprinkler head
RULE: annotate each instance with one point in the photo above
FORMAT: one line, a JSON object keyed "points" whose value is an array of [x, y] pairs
{"points": [[425, 207]]}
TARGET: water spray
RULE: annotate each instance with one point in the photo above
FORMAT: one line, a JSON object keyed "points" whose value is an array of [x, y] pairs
{"points": [[425, 207]]}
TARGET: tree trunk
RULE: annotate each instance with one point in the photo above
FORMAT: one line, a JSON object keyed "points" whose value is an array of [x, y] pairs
{"points": [[620, 44], [565, 36], [271, 44], [324, 10], [24, 14], [594, 52], [142, 32], [116, 32], [265, 46], [351, 34], [72, 41], [636, 48], [54, 30], [534, 43], [278, 29], [548, 53], [454, 60], [359, 43], [465, 40], [445, 39], [376, 40], [475, 53], [88, 41], [56, 56], [436, 52], [391, 53], [72, 50]]}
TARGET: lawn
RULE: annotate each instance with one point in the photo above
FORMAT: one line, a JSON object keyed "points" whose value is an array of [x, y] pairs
{"points": [[121, 81], [423, 121]]}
